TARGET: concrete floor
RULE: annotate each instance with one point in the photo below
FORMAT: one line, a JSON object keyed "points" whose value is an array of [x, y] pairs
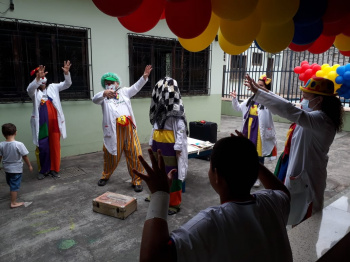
{"points": [[60, 225]]}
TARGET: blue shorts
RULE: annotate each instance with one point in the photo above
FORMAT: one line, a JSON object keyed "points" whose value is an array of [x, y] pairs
{"points": [[14, 180]]}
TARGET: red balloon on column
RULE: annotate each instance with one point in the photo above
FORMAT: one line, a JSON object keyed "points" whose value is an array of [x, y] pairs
{"points": [[145, 17], [299, 48], [188, 19], [117, 8], [322, 44], [346, 53]]}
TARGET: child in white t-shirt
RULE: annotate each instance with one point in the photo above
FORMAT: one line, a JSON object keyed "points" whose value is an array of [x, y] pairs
{"points": [[11, 153]]}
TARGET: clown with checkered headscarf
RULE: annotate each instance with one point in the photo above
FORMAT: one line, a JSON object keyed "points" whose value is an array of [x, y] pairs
{"points": [[303, 163], [119, 126], [47, 109], [169, 133]]}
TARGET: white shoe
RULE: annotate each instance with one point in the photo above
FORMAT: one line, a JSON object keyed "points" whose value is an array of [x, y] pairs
{"points": [[257, 183]]}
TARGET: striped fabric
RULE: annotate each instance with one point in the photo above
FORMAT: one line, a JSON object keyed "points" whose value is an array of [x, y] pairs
{"points": [[165, 140], [49, 151], [127, 142], [251, 128]]}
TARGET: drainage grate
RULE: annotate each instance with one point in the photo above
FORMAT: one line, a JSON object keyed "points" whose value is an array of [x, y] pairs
{"points": [[71, 172]]}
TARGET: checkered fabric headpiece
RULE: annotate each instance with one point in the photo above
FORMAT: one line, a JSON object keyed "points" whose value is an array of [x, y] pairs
{"points": [[166, 102]]}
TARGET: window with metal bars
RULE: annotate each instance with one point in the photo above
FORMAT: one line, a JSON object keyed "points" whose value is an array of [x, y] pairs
{"points": [[24, 45], [168, 58]]}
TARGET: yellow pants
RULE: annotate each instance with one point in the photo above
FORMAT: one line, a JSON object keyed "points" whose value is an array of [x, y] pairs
{"points": [[127, 142]]}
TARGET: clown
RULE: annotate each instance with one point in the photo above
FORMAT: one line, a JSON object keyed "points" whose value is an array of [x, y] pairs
{"points": [[309, 139], [47, 121], [258, 124], [119, 126], [169, 133]]}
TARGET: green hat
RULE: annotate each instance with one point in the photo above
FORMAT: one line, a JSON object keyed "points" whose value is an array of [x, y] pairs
{"points": [[111, 77]]}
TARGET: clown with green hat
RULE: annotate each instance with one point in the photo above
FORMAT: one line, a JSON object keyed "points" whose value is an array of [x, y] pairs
{"points": [[119, 126], [303, 163]]}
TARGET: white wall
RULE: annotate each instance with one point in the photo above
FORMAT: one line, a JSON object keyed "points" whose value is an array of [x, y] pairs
{"points": [[109, 53]]}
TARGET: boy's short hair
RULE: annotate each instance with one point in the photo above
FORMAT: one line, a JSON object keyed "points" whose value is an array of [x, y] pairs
{"points": [[236, 159], [8, 129]]}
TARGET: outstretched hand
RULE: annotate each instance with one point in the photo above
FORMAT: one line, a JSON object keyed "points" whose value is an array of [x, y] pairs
{"points": [[157, 179], [238, 134], [40, 73], [251, 84], [233, 94], [66, 67], [148, 70]]}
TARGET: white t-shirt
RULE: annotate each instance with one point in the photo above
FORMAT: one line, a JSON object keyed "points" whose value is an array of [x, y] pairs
{"points": [[12, 153], [244, 231]]}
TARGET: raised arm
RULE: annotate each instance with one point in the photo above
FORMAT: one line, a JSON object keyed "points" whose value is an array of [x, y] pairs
{"points": [[235, 104], [135, 88], [155, 236], [33, 86], [67, 79]]}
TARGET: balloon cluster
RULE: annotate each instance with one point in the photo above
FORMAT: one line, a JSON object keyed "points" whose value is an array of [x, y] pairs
{"points": [[306, 71], [274, 25], [343, 79], [329, 72]]}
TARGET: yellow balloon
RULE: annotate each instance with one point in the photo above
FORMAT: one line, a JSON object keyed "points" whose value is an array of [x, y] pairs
{"points": [[274, 38], [241, 32], [324, 66], [233, 9], [342, 42], [229, 48], [277, 11], [320, 73], [202, 41]]}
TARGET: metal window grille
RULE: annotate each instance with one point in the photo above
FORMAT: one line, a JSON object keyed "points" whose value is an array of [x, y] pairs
{"points": [[279, 67], [26, 44], [168, 58]]}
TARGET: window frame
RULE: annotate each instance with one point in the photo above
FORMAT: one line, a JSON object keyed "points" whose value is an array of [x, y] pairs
{"points": [[32, 43], [166, 55]]}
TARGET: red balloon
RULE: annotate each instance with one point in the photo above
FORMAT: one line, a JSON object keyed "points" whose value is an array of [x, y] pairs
{"points": [[163, 15], [297, 69], [304, 62], [298, 48], [188, 19], [302, 77], [145, 17], [346, 53], [322, 44], [117, 8], [305, 67], [316, 68], [308, 73], [336, 10]]}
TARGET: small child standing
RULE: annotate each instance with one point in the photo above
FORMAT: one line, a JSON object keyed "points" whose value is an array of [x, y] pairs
{"points": [[11, 153]]}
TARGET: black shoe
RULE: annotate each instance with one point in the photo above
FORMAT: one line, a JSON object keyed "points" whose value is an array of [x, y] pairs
{"points": [[102, 182], [137, 188], [54, 174], [173, 210], [41, 176]]}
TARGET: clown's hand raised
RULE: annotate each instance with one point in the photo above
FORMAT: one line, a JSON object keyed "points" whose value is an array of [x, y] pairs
{"points": [[40, 73], [66, 67]]}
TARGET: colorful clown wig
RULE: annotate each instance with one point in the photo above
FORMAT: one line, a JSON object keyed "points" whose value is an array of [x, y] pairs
{"points": [[111, 77]]}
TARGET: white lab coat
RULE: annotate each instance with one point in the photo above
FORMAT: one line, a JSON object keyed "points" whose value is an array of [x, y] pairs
{"points": [[266, 126], [52, 91], [307, 170], [111, 113], [179, 128]]}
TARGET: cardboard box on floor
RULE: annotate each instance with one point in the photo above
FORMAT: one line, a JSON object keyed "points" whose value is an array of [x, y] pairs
{"points": [[113, 204]]}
